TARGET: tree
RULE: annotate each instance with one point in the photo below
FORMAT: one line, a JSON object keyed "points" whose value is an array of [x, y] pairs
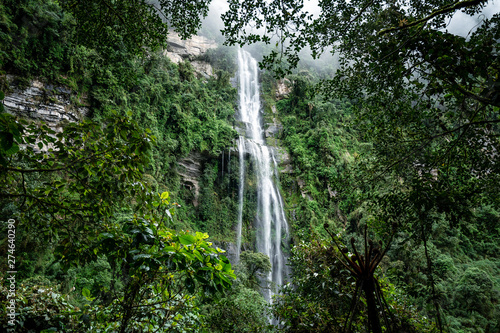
{"points": [[135, 23], [70, 188], [69, 185], [324, 294], [243, 308], [163, 271], [427, 98]]}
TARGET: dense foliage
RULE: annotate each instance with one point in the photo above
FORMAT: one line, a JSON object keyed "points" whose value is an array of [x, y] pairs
{"points": [[395, 150], [426, 270], [97, 248], [323, 296], [427, 100]]}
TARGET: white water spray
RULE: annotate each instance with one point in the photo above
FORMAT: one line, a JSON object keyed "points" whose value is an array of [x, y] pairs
{"points": [[270, 222], [241, 150]]}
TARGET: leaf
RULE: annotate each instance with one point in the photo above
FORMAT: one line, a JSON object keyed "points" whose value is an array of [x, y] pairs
{"points": [[190, 284], [141, 256], [207, 268], [169, 249], [227, 268], [12, 150], [123, 134], [225, 279], [201, 279], [187, 239], [86, 292], [198, 255]]}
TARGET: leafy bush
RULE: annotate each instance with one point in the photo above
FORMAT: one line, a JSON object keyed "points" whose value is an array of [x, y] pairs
{"points": [[37, 37], [243, 308]]}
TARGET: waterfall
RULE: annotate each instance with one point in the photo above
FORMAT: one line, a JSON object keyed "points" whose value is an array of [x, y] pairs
{"points": [[222, 167], [229, 169], [241, 150], [270, 222]]}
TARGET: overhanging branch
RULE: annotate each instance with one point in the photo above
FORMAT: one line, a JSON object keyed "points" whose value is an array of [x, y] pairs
{"points": [[447, 9]]}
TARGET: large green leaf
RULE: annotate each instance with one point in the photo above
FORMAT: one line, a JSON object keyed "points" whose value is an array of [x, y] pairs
{"points": [[187, 239]]}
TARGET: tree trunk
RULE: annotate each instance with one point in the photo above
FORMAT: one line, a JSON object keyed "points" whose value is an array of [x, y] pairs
{"points": [[371, 303]]}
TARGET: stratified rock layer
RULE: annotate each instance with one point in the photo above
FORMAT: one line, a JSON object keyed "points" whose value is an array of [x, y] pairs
{"points": [[179, 50], [190, 169], [43, 102]]}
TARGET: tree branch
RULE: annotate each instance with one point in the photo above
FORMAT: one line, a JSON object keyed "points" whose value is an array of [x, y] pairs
{"points": [[453, 7]]}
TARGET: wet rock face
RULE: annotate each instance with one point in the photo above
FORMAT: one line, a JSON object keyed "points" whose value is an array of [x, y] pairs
{"points": [[284, 160], [203, 69], [190, 48], [179, 50], [273, 129], [43, 102], [283, 89], [190, 169]]}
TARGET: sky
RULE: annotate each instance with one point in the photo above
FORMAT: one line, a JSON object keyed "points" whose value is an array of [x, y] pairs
{"points": [[460, 24]]}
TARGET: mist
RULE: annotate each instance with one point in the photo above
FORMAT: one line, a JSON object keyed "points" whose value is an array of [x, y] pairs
{"points": [[464, 25], [460, 24]]}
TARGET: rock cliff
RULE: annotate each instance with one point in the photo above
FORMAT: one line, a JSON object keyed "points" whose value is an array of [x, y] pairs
{"points": [[283, 88], [43, 102], [190, 169], [179, 50]]}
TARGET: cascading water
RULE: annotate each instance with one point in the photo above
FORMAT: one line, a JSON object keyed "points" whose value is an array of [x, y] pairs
{"points": [[270, 222], [241, 150]]}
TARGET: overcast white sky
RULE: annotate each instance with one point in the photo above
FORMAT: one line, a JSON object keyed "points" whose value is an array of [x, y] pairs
{"points": [[461, 24]]}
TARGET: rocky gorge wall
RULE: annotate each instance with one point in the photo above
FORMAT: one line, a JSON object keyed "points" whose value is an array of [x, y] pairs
{"points": [[56, 105], [45, 102], [191, 50]]}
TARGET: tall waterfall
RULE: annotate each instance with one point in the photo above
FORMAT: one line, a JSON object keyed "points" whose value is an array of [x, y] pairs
{"points": [[270, 222]]}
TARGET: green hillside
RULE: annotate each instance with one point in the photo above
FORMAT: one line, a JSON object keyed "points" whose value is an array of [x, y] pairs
{"points": [[389, 169]]}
